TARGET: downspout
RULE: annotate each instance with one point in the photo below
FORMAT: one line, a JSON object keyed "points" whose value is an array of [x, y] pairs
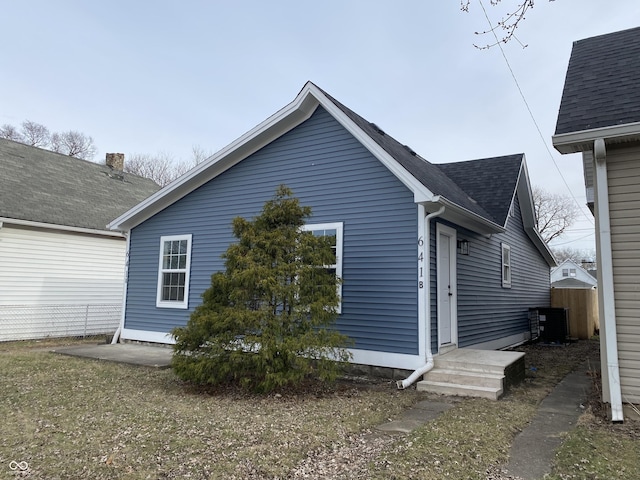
{"points": [[116, 336], [402, 384], [605, 282]]}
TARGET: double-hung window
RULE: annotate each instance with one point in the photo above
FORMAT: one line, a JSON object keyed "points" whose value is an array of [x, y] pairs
{"points": [[333, 231], [506, 266], [173, 271]]}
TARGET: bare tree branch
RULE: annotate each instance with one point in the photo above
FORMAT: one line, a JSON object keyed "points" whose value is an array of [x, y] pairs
{"points": [[11, 133], [74, 144], [162, 167], [581, 256], [554, 213], [35, 134], [505, 29]]}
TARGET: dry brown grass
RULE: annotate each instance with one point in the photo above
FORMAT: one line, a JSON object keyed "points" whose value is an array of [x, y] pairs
{"points": [[72, 418]]}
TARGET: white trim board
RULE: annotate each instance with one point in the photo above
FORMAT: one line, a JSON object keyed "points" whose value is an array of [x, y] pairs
{"points": [[364, 357]]}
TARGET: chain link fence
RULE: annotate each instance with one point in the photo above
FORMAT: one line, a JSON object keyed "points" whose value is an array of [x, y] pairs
{"points": [[29, 322]]}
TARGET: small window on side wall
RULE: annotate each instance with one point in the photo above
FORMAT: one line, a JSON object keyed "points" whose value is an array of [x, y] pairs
{"points": [[506, 266], [173, 271]]}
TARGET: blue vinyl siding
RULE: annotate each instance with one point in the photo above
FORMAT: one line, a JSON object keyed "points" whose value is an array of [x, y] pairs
{"points": [[333, 173], [486, 310]]}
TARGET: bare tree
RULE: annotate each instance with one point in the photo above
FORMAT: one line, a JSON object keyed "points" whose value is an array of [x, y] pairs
{"points": [[586, 256], [10, 133], [74, 144], [162, 167], [505, 29], [554, 213], [35, 134]]}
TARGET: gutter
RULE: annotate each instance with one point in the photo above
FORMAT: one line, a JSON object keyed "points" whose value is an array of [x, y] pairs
{"points": [[606, 292], [402, 384], [63, 228]]}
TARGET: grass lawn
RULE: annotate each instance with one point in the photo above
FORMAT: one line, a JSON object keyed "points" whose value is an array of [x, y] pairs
{"points": [[76, 418]]}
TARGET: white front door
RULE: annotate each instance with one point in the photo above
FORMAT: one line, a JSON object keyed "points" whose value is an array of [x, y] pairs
{"points": [[446, 286]]}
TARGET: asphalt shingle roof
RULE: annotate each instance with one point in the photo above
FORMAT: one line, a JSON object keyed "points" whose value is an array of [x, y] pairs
{"points": [[41, 186], [602, 84], [489, 181], [484, 187]]}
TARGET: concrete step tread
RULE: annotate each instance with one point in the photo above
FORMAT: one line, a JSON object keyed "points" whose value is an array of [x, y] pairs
{"points": [[458, 385], [460, 390], [470, 373], [469, 367]]}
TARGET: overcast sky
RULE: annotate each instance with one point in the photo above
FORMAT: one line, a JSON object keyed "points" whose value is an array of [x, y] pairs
{"points": [[164, 76]]}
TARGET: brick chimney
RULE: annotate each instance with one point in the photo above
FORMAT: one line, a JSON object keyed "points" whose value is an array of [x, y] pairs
{"points": [[115, 161]]}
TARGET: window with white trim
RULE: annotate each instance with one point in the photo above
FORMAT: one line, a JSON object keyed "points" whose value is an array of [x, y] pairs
{"points": [[506, 266], [173, 271], [334, 232], [565, 272]]}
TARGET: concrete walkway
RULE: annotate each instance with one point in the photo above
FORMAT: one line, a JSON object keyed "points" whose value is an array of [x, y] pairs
{"points": [[533, 450]]}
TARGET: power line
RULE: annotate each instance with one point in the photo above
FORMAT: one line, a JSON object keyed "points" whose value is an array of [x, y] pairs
{"points": [[513, 75], [574, 240]]}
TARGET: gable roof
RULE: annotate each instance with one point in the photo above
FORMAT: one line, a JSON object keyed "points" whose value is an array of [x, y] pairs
{"points": [[601, 98], [43, 187], [431, 184], [491, 182], [581, 277]]}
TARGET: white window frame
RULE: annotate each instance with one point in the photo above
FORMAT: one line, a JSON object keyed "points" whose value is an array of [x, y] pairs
{"points": [[565, 272], [506, 265], [183, 304], [338, 227]]}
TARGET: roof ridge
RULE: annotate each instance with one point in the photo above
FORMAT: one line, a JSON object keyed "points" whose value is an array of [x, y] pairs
{"points": [[426, 172]]}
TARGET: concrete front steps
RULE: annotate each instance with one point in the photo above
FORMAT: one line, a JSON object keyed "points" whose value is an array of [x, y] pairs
{"points": [[474, 373]]}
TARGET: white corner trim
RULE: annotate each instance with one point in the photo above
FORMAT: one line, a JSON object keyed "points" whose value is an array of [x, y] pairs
{"points": [[606, 288]]}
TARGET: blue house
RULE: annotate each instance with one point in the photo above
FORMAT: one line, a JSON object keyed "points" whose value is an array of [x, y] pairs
{"points": [[432, 257]]}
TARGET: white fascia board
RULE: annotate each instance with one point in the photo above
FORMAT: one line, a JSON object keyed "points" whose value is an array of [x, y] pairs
{"points": [[524, 192], [463, 217], [575, 142], [264, 133], [420, 192], [64, 228]]}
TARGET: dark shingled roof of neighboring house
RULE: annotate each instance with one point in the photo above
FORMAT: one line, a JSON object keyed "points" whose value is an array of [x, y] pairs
{"points": [[42, 186], [602, 84]]}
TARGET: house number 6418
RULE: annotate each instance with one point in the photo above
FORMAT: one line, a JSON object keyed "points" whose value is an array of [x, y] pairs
{"points": [[420, 260]]}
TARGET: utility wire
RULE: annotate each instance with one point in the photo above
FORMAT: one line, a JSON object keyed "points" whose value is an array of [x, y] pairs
{"points": [[513, 75]]}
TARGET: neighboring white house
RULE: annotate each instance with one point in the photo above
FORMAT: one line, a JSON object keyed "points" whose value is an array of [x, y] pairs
{"points": [[62, 270], [570, 274]]}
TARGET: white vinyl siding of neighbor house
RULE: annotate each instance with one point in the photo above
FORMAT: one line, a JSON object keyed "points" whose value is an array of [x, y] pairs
{"points": [[623, 172], [51, 279]]}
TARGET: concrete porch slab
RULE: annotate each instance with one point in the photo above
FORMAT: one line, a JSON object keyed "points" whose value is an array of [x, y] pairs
{"points": [[130, 353]]}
